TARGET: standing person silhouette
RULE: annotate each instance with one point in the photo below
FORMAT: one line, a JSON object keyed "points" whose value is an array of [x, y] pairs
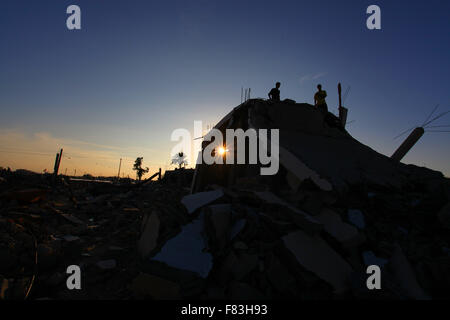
{"points": [[319, 99], [274, 94]]}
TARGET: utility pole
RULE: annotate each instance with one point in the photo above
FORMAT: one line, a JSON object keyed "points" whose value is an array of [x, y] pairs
{"points": [[120, 164], [57, 163], [55, 172]]}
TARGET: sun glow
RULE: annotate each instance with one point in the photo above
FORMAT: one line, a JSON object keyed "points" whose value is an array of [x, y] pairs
{"points": [[222, 151]]}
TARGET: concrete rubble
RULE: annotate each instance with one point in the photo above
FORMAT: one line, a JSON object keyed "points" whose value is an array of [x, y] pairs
{"points": [[309, 232]]}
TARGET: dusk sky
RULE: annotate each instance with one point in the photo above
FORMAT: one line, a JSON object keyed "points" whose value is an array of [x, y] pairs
{"points": [[139, 69]]}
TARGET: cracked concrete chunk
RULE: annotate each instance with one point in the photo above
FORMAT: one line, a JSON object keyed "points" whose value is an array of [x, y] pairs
{"points": [[186, 250], [370, 258], [219, 217], [237, 227], [405, 275], [444, 215], [70, 238], [301, 170], [303, 219], [149, 235], [315, 255], [279, 276], [293, 181], [197, 200], [333, 224], [356, 217], [107, 264], [237, 266], [73, 219]]}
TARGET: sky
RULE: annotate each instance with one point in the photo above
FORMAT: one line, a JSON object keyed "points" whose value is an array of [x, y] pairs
{"points": [[139, 69]]}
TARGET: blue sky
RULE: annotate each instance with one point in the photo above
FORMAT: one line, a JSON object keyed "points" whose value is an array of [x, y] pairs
{"points": [[140, 69]]}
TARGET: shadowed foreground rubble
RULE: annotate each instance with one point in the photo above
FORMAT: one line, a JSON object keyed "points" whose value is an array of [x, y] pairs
{"points": [[239, 235]]}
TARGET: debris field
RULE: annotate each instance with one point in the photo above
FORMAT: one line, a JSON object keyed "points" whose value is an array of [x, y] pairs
{"points": [[309, 232]]}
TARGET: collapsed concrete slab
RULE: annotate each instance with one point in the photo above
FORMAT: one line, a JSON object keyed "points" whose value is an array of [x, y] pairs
{"points": [[312, 146], [219, 218], [356, 217], [313, 253], [149, 236], [444, 215], [301, 218], [194, 201], [405, 275], [186, 250], [346, 234]]}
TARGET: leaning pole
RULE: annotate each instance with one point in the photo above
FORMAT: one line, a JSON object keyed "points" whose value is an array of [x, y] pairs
{"points": [[404, 148]]}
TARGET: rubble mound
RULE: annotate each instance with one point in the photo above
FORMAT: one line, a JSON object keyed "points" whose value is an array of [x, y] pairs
{"points": [[334, 209]]}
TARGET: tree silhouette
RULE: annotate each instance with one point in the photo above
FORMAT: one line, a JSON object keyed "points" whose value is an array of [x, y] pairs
{"points": [[180, 160], [138, 168]]}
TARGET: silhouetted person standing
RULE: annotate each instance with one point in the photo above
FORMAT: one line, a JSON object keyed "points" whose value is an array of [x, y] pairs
{"points": [[319, 99], [274, 94]]}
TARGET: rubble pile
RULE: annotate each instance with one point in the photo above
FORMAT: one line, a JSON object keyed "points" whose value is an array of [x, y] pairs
{"points": [[246, 242], [309, 232], [45, 227]]}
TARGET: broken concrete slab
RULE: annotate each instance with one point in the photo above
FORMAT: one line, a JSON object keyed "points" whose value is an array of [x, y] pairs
{"points": [[48, 258], [115, 248], [301, 170], [72, 219], [239, 245], [315, 255], [219, 216], [346, 234], [293, 181], [237, 227], [149, 235], [404, 273], [197, 200], [370, 259], [279, 276], [312, 204], [356, 217], [70, 238], [444, 215], [107, 264], [305, 221], [237, 265], [186, 250]]}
